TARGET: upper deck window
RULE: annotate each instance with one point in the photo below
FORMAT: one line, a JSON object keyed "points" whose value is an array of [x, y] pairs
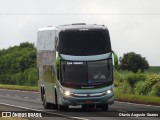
{"points": [[84, 42]]}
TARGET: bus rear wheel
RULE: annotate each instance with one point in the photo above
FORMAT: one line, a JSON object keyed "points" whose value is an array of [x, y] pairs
{"points": [[45, 104]]}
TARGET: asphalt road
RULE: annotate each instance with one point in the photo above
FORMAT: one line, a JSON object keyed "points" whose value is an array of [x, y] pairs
{"points": [[29, 101]]}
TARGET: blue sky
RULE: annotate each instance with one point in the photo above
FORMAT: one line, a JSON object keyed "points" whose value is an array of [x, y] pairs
{"points": [[134, 25]]}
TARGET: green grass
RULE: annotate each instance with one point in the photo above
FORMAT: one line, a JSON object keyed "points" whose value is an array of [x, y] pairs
{"points": [[17, 87], [153, 69], [153, 100]]}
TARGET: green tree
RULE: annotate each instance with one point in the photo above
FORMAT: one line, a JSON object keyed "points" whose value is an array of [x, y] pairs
{"points": [[18, 65], [133, 62]]}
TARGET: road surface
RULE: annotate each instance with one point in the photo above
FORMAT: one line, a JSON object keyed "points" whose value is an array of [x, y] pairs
{"points": [[30, 101]]}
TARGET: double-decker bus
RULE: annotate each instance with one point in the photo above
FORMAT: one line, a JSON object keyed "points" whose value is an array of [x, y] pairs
{"points": [[75, 66]]}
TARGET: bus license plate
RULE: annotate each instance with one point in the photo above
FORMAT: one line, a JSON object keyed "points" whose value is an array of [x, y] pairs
{"points": [[88, 101]]}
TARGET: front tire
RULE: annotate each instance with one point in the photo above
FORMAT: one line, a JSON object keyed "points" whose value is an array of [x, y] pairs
{"points": [[63, 107], [104, 107], [60, 107]]}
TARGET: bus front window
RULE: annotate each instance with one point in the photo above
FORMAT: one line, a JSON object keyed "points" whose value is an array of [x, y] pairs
{"points": [[99, 72], [86, 73], [74, 73]]}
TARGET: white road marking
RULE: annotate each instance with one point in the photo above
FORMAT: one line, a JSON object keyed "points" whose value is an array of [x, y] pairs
{"points": [[137, 104], [27, 91], [62, 115], [38, 99], [26, 97]]}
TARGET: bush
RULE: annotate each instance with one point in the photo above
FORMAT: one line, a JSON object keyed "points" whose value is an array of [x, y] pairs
{"points": [[31, 77], [133, 78], [127, 88], [118, 78], [145, 87], [117, 83], [7, 78], [155, 91], [140, 88]]}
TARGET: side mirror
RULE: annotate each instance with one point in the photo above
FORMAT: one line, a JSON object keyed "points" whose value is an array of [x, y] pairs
{"points": [[115, 60]]}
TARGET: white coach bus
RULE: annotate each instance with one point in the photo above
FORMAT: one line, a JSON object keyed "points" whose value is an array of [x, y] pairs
{"points": [[75, 66]]}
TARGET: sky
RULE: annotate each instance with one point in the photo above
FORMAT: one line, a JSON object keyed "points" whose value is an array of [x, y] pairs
{"points": [[134, 25]]}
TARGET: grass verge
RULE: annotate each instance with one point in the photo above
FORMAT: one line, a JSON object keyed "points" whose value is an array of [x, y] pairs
{"points": [[17, 87], [140, 99]]}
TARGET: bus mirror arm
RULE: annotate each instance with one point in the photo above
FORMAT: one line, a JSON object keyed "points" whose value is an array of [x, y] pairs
{"points": [[115, 60]]}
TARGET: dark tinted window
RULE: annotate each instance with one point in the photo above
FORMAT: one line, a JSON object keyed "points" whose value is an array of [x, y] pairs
{"points": [[84, 42], [86, 73], [74, 73], [99, 72]]}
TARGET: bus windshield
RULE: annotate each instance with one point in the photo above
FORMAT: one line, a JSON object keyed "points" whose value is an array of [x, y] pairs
{"points": [[81, 43], [86, 73]]}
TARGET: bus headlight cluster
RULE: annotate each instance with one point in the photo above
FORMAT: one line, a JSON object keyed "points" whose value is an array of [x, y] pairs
{"points": [[109, 91], [67, 93]]}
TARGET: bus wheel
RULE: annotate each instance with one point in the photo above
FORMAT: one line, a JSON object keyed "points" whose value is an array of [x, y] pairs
{"points": [[63, 108], [45, 104], [104, 107], [54, 106], [88, 107]]}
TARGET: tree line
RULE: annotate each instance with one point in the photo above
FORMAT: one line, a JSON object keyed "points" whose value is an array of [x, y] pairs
{"points": [[18, 65]]}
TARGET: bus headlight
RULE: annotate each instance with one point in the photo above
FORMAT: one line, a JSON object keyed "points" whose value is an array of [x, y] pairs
{"points": [[109, 91], [67, 93]]}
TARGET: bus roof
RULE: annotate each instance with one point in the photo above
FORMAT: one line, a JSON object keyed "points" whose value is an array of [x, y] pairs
{"points": [[47, 28], [81, 26]]}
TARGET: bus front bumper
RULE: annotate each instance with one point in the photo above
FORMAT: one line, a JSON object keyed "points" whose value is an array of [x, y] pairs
{"points": [[72, 100]]}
